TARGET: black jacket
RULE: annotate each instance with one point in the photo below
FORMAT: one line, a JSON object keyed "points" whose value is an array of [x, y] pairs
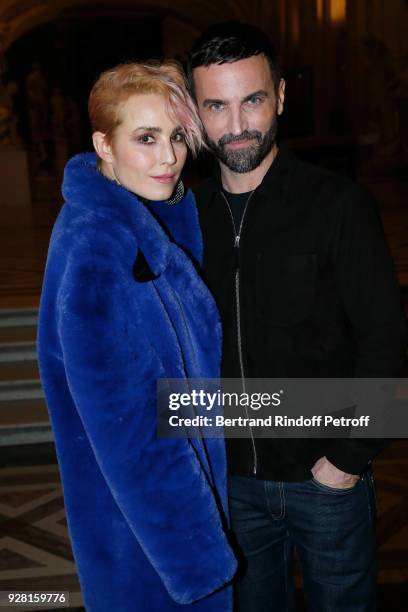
{"points": [[318, 297]]}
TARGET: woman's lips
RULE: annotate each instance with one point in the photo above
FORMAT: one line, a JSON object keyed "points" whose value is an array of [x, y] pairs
{"points": [[164, 178]]}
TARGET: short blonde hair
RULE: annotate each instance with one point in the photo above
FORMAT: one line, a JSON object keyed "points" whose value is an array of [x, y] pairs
{"points": [[116, 85]]}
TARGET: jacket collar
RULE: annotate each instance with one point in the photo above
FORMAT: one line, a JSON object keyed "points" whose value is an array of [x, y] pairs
{"points": [[86, 188]]}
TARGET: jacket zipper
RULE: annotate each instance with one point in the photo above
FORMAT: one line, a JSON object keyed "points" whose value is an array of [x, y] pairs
{"points": [[237, 238]]}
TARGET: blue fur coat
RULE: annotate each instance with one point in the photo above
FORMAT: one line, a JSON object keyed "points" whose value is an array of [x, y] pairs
{"points": [[144, 514]]}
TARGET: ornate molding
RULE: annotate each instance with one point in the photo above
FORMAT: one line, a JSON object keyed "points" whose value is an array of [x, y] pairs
{"points": [[23, 15]]}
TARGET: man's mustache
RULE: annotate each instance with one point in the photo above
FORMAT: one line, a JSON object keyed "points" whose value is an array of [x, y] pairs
{"points": [[245, 135]]}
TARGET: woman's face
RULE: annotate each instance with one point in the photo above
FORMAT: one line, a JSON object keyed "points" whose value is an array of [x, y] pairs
{"points": [[147, 151]]}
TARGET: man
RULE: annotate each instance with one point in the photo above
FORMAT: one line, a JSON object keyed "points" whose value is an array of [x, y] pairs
{"points": [[296, 259]]}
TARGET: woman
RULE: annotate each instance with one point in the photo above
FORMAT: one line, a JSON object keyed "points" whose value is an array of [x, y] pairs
{"points": [[121, 307]]}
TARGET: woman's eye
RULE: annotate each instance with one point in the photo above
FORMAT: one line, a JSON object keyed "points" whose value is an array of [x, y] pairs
{"points": [[216, 106], [146, 139], [179, 137]]}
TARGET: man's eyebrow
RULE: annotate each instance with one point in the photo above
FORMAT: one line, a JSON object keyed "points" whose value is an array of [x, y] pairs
{"points": [[260, 93]]}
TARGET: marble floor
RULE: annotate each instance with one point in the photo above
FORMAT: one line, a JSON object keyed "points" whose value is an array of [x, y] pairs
{"points": [[35, 552]]}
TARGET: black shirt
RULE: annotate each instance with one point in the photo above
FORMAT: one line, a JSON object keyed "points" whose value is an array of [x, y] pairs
{"points": [[237, 203]]}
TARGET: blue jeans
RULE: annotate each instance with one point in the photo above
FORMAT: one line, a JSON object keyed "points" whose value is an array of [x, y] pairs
{"points": [[332, 530]]}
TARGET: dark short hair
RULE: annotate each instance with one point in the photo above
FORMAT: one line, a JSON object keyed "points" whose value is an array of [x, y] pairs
{"points": [[229, 42]]}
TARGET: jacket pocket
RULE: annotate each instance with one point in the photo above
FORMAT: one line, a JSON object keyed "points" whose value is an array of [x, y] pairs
{"points": [[285, 287]]}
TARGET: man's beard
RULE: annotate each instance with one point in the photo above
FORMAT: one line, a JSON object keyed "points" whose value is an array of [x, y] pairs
{"points": [[244, 160]]}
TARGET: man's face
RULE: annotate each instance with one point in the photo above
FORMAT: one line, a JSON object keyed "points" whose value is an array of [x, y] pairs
{"points": [[238, 106]]}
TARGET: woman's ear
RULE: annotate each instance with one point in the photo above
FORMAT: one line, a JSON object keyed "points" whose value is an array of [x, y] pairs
{"points": [[102, 147]]}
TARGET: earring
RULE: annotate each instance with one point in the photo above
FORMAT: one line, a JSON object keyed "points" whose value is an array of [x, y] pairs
{"points": [[115, 178], [178, 194]]}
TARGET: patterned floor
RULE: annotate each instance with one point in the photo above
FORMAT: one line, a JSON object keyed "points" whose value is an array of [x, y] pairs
{"points": [[35, 552]]}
